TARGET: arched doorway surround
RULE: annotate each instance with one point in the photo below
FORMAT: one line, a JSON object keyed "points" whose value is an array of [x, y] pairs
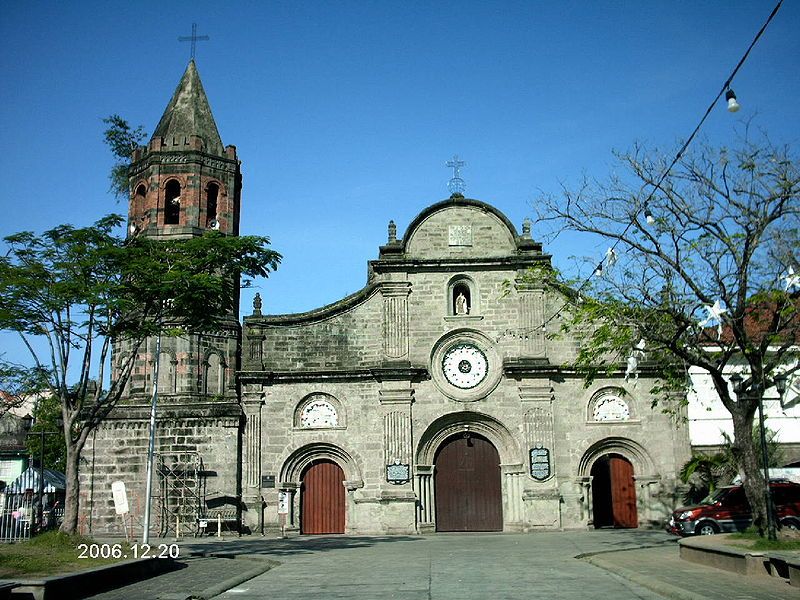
{"points": [[456, 424], [616, 463], [302, 463]]}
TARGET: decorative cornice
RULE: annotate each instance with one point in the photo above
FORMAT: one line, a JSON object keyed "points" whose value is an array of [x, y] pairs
{"points": [[368, 374]]}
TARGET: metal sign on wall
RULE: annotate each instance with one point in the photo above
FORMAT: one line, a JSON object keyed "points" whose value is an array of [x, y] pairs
{"points": [[540, 463], [398, 473]]}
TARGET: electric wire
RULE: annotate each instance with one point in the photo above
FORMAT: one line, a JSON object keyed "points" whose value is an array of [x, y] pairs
{"points": [[678, 156]]}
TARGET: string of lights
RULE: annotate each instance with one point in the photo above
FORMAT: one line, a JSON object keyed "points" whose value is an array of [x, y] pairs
{"points": [[611, 256]]}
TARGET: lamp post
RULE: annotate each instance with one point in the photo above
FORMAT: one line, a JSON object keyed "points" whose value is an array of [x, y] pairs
{"points": [[27, 423], [151, 446], [736, 380]]}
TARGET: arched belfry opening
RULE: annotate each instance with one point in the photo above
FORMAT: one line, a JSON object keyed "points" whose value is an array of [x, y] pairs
{"points": [[212, 198], [172, 202]]}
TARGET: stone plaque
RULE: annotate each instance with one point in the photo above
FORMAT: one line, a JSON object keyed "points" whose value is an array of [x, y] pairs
{"points": [[268, 481], [397, 473], [460, 235], [540, 463]]}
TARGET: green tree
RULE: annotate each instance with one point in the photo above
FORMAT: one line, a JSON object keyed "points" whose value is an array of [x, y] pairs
{"points": [[122, 140], [706, 472], [71, 293], [720, 230], [46, 415]]}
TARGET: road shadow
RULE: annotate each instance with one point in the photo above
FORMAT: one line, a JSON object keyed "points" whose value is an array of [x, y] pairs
{"points": [[292, 546]]}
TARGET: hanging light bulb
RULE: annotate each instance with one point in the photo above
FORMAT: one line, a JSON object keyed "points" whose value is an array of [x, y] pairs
{"points": [[648, 216], [733, 105]]}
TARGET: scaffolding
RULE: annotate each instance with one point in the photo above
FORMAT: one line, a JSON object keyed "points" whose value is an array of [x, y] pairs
{"points": [[180, 497]]}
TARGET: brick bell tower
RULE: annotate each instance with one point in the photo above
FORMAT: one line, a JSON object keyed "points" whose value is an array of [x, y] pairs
{"points": [[183, 183]]}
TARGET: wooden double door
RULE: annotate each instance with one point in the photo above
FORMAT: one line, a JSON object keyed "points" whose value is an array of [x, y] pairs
{"points": [[322, 498], [614, 493], [467, 485]]}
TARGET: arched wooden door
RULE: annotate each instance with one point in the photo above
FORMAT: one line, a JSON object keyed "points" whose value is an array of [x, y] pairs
{"points": [[614, 493], [322, 498], [467, 485]]}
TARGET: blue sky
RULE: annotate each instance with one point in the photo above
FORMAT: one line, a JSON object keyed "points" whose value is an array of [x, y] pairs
{"points": [[344, 113]]}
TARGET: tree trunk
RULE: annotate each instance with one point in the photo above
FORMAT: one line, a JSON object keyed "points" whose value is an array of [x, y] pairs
{"points": [[71, 501], [746, 455]]}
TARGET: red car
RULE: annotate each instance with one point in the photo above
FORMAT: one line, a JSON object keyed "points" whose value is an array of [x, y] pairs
{"points": [[727, 510]]}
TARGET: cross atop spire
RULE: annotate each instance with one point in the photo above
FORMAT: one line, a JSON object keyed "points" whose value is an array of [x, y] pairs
{"points": [[194, 38], [456, 185]]}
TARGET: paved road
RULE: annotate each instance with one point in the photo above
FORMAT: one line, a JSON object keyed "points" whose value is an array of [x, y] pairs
{"points": [[457, 566], [445, 566]]}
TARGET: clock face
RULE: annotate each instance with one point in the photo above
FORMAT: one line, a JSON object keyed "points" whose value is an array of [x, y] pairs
{"points": [[464, 366], [318, 413]]}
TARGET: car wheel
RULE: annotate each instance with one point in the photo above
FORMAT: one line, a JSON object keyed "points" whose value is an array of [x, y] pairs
{"points": [[706, 528], [791, 524]]}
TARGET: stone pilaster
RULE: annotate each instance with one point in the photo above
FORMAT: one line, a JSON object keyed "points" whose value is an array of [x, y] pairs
{"points": [[531, 320], [395, 319]]}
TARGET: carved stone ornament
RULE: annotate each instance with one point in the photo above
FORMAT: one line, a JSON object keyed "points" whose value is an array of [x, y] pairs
{"points": [[318, 413], [610, 408]]}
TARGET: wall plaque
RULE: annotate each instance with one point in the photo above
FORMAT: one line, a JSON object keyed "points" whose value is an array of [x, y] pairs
{"points": [[268, 481], [540, 463], [460, 235], [398, 473]]}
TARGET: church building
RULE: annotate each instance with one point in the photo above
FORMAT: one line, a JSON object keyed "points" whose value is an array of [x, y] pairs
{"points": [[433, 399]]}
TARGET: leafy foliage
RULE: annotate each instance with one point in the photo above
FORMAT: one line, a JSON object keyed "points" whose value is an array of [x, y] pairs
{"points": [[70, 293], [724, 228], [46, 416], [122, 141]]}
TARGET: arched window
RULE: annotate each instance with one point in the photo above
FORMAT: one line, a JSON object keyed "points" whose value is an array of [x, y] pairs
{"points": [[462, 298], [172, 203], [138, 199], [212, 194], [608, 405], [214, 375], [319, 411]]}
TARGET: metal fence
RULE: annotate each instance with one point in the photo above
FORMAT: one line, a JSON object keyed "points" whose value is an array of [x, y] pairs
{"points": [[16, 517]]}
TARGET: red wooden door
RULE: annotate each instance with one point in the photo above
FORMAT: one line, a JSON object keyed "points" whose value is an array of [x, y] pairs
{"points": [[623, 492], [467, 486], [322, 498]]}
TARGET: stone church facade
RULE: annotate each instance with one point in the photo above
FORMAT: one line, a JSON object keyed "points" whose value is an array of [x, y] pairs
{"points": [[431, 400]]}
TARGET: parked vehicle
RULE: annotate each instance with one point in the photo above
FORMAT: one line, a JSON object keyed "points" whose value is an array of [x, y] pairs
{"points": [[727, 510]]}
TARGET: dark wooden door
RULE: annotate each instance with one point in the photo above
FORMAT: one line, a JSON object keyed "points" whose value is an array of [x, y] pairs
{"points": [[467, 486], [623, 492], [322, 498]]}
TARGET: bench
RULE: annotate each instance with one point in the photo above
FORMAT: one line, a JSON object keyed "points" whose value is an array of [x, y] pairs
{"points": [[216, 519]]}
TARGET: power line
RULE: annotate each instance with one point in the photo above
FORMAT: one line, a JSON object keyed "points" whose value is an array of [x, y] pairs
{"points": [[725, 87]]}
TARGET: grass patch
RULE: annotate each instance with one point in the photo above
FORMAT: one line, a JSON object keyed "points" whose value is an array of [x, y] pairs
{"points": [[50, 553], [752, 540]]}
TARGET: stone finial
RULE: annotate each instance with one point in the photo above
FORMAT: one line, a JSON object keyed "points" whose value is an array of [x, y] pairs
{"points": [[526, 228], [257, 305], [392, 232]]}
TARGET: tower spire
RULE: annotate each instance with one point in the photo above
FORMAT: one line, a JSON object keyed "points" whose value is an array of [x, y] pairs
{"points": [[189, 114]]}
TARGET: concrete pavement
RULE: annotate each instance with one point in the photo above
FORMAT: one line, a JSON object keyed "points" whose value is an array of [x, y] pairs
{"points": [[617, 564]]}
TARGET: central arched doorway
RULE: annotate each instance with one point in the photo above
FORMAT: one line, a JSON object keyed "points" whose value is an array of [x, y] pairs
{"points": [[467, 485], [614, 492], [322, 498]]}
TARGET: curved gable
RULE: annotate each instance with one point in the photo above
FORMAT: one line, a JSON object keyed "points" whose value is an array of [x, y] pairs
{"points": [[460, 227]]}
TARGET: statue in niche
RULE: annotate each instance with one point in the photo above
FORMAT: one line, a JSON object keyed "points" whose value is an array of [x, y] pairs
{"points": [[462, 308]]}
